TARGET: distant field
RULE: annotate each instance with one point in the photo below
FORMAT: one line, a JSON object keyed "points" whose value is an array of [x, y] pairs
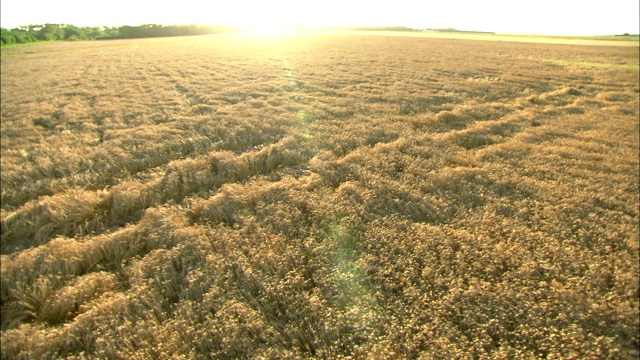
{"points": [[632, 40], [319, 196]]}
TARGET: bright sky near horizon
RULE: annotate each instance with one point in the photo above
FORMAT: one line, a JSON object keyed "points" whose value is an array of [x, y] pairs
{"points": [[560, 17]]}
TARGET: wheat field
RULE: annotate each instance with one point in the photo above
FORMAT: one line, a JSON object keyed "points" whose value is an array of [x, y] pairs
{"points": [[319, 196]]}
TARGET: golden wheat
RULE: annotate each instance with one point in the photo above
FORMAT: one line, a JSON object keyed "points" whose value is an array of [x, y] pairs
{"points": [[319, 196]]}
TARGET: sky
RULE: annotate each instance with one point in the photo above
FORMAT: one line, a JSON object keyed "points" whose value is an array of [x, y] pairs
{"points": [[559, 17]]}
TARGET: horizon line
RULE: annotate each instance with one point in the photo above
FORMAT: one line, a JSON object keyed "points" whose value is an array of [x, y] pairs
{"points": [[335, 27]]}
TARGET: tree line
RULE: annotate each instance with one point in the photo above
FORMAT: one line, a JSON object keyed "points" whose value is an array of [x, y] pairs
{"points": [[57, 32]]}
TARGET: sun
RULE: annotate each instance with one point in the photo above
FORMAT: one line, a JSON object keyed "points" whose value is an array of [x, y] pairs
{"points": [[267, 29], [267, 19]]}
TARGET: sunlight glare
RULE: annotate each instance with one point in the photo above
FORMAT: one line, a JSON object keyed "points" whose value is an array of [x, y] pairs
{"points": [[266, 18], [267, 29]]}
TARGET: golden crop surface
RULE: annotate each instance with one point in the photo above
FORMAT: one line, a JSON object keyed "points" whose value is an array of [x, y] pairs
{"points": [[319, 196]]}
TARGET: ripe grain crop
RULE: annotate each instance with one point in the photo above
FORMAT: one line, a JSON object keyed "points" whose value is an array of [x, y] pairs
{"points": [[319, 196]]}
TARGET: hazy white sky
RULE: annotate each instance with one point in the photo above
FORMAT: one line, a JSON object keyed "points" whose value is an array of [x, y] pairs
{"points": [[565, 17]]}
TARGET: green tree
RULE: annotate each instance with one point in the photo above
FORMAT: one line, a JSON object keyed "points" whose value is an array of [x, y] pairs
{"points": [[6, 37], [50, 32], [72, 33]]}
